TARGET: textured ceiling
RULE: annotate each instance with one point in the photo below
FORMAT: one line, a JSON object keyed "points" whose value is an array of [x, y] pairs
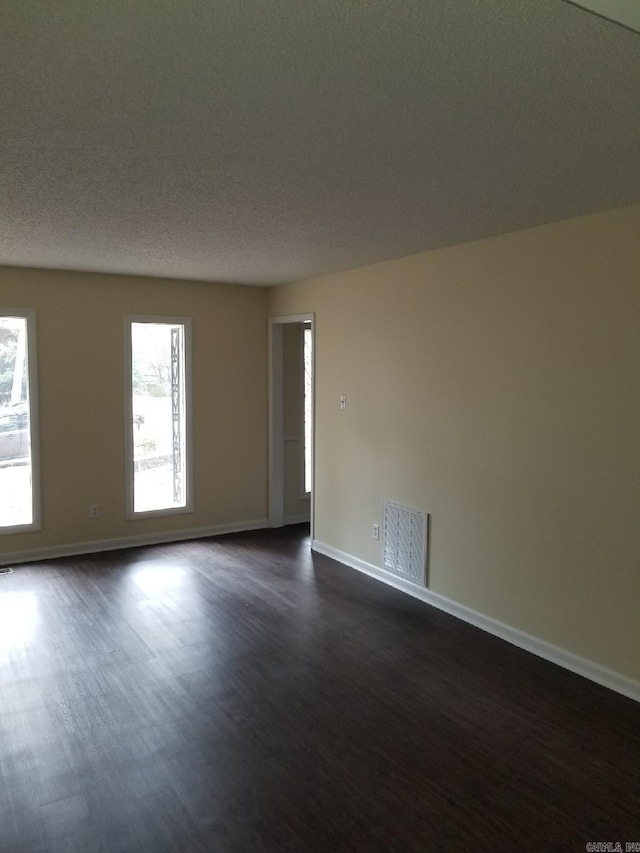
{"points": [[625, 12], [262, 141]]}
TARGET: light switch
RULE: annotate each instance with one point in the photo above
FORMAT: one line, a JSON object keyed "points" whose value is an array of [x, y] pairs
{"points": [[343, 402]]}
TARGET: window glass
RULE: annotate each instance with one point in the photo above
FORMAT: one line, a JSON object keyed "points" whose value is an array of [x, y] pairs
{"points": [[308, 404], [17, 471], [158, 380]]}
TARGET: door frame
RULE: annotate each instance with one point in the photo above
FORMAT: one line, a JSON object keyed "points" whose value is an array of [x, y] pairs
{"points": [[276, 425]]}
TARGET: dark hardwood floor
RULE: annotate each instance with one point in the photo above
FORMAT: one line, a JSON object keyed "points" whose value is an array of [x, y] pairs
{"points": [[241, 694]]}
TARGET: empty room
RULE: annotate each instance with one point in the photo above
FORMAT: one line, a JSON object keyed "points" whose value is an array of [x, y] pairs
{"points": [[319, 426]]}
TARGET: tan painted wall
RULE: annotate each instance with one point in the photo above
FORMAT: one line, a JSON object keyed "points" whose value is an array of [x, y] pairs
{"points": [[495, 386], [294, 506], [80, 327]]}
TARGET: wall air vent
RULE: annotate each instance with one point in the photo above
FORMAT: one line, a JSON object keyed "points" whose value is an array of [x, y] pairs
{"points": [[405, 542]]}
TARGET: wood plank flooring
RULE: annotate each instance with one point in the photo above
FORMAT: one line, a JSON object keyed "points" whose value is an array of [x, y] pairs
{"points": [[242, 694]]}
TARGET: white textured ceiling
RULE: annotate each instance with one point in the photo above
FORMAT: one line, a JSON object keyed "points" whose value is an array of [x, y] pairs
{"points": [[262, 141], [625, 12]]}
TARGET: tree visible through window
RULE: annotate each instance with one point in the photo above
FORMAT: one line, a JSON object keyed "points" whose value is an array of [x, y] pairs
{"points": [[159, 416], [17, 506]]}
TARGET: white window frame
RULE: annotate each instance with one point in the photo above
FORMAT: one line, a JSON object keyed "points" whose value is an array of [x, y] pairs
{"points": [[131, 513], [34, 422]]}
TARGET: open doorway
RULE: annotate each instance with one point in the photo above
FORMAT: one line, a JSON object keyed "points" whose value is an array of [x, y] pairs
{"points": [[291, 414]]}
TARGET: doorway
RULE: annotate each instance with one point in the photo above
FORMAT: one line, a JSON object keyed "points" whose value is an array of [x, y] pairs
{"points": [[291, 419]]}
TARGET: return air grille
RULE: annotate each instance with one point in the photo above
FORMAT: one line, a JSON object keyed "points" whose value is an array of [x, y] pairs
{"points": [[405, 542]]}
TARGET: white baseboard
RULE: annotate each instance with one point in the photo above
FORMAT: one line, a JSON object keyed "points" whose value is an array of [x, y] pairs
{"points": [[297, 519], [76, 548], [581, 666]]}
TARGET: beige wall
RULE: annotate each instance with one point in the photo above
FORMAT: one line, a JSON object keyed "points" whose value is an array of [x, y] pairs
{"points": [[295, 508], [80, 327], [495, 386]]}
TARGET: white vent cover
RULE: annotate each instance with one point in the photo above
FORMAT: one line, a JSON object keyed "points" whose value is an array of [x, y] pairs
{"points": [[405, 542]]}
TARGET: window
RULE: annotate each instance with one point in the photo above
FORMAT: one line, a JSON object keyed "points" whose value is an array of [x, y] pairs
{"points": [[19, 487], [307, 351], [158, 415]]}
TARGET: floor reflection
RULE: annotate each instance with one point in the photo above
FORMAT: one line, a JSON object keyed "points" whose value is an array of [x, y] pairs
{"points": [[159, 577], [19, 617]]}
